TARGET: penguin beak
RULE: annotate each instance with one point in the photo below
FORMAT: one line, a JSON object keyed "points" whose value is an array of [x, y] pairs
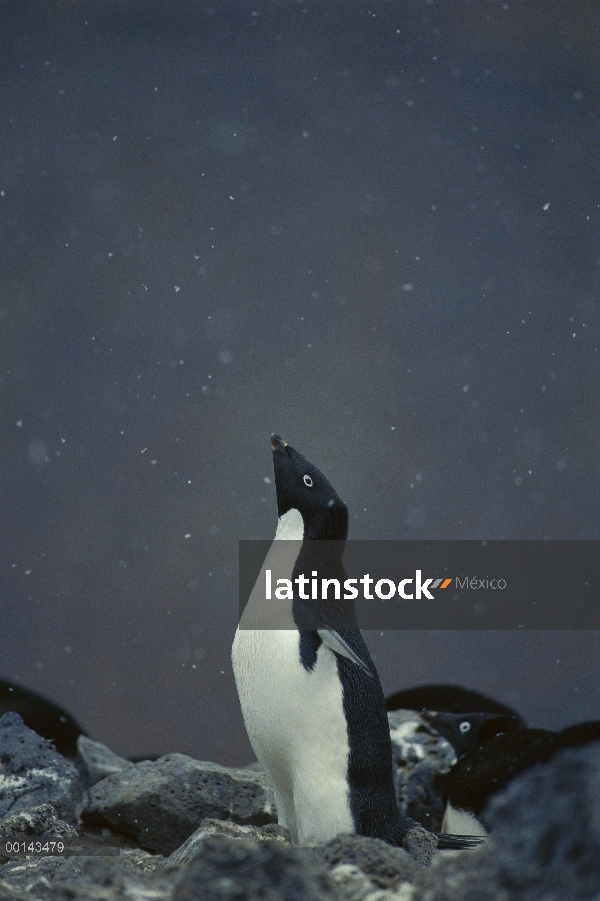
{"points": [[428, 716], [278, 444]]}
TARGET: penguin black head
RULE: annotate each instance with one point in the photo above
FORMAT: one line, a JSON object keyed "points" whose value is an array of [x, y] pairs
{"points": [[300, 486], [465, 731]]}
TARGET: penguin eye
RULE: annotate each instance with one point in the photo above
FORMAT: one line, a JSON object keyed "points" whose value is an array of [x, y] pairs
{"points": [[307, 481], [464, 726]]}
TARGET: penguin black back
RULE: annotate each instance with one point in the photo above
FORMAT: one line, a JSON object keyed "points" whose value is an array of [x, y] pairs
{"points": [[579, 734], [490, 767], [447, 699], [370, 773]]}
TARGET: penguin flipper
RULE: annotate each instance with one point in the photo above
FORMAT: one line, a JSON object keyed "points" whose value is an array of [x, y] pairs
{"points": [[334, 641], [449, 842]]}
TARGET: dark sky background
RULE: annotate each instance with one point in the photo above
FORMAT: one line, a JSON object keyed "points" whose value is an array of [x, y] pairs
{"points": [[372, 227]]}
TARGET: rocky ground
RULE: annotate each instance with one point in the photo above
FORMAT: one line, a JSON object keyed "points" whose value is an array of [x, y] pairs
{"points": [[100, 828]]}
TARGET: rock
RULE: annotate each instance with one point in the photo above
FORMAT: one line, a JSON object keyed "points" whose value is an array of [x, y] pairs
{"points": [[8, 893], [143, 860], [385, 865], [422, 761], [38, 824], [193, 846], [107, 878], [41, 821], [545, 844], [404, 892], [34, 773], [350, 883], [95, 761], [161, 803], [547, 825], [242, 870], [275, 832], [462, 876], [421, 845], [31, 875]]}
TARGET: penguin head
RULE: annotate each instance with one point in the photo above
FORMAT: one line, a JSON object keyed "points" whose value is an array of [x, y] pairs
{"points": [[301, 486], [465, 731]]}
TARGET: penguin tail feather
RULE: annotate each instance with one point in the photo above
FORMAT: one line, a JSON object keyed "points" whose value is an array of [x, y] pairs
{"points": [[445, 840], [449, 842]]}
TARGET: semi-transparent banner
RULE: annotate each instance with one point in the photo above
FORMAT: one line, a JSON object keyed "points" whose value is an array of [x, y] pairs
{"points": [[419, 584]]}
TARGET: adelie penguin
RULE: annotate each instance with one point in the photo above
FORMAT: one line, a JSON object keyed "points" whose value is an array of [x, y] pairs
{"points": [[495, 761], [311, 698]]}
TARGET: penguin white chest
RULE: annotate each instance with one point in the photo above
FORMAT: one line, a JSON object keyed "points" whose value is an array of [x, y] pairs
{"points": [[461, 822], [296, 724]]}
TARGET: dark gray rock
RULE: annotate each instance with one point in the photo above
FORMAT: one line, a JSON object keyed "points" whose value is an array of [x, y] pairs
{"points": [[242, 870], [547, 825], [95, 761], [349, 883], [85, 878], [193, 846], [143, 860], [33, 773], [41, 821], [462, 876], [105, 879], [422, 760], [385, 865], [545, 844], [421, 845], [404, 892], [31, 875], [161, 803], [9, 893], [38, 824]]}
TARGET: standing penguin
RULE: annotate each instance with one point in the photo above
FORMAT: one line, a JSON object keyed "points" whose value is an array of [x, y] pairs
{"points": [[311, 698]]}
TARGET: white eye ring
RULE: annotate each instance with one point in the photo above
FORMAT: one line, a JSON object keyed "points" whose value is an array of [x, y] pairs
{"points": [[307, 481], [465, 726]]}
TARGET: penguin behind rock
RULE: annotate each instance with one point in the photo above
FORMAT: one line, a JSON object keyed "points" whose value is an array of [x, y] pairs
{"points": [[487, 769], [447, 699], [580, 734], [465, 731], [490, 766], [311, 698]]}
